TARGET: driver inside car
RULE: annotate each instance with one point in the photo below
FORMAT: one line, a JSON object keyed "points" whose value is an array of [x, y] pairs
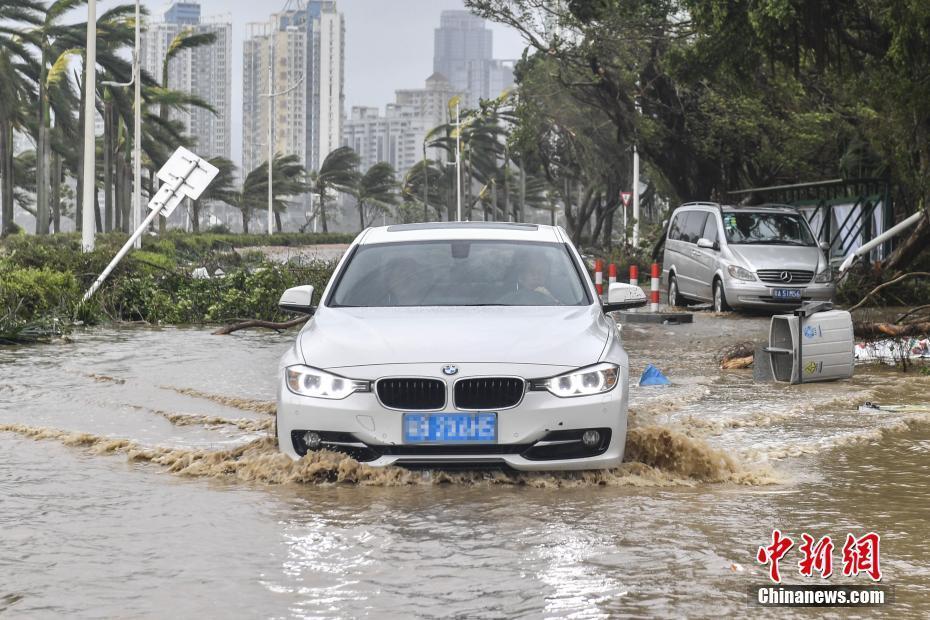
{"points": [[532, 287]]}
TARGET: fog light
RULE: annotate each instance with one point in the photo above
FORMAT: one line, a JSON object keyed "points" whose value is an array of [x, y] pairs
{"points": [[313, 440], [591, 438]]}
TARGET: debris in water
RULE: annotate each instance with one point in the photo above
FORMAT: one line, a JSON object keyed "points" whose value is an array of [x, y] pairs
{"points": [[653, 376], [736, 356]]}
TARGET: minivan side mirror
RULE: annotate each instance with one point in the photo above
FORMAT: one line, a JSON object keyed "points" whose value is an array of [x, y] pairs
{"points": [[707, 244], [298, 299], [622, 296]]}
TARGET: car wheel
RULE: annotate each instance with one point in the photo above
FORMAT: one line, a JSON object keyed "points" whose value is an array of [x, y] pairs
{"points": [[674, 297], [720, 298]]}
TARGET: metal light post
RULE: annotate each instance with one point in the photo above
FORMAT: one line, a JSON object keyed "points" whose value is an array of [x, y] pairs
{"points": [[458, 163], [636, 178], [137, 129], [90, 115], [271, 97]]}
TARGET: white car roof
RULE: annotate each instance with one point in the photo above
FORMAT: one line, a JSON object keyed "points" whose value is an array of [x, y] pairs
{"points": [[503, 231]]}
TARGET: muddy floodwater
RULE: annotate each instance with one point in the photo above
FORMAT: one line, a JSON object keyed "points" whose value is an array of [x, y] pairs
{"points": [[137, 479]]}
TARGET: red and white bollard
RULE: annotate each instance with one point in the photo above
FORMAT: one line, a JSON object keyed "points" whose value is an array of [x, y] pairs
{"points": [[611, 275], [634, 275], [654, 307], [599, 276]]}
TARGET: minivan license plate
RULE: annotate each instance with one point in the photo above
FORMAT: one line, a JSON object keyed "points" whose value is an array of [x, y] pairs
{"points": [[786, 293], [450, 427]]}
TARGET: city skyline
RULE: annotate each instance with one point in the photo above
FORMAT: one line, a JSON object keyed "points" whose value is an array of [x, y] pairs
{"points": [[375, 65]]}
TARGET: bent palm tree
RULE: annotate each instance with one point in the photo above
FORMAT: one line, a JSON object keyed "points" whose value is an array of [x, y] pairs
{"points": [[375, 191], [339, 172]]}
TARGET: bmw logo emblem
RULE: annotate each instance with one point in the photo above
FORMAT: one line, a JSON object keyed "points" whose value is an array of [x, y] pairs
{"points": [[450, 369]]}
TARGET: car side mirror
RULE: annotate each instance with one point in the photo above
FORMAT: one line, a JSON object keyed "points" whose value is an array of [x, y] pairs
{"points": [[824, 246], [298, 299], [622, 296], [707, 244]]}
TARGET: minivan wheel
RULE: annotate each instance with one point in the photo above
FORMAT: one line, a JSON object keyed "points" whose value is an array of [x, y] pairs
{"points": [[673, 297], [720, 298]]}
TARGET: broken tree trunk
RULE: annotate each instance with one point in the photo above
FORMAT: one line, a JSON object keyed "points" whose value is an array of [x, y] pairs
{"points": [[224, 331]]}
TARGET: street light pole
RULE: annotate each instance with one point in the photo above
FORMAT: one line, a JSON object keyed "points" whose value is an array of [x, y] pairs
{"points": [[137, 131], [271, 97], [90, 115], [458, 163]]}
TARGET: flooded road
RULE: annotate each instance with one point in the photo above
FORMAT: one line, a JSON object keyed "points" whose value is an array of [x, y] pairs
{"points": [[137, 480]]}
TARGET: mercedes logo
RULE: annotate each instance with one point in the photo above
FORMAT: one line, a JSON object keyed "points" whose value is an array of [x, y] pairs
{"points": [[786, 276], [450, 369]]}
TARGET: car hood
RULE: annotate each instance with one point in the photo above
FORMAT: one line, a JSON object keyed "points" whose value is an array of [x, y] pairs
{"points": [[777, 256], [561, 336]]}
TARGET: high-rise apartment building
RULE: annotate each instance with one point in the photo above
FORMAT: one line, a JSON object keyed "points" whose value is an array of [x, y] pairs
{"points": [[304, 48], [464, 53], [205, 72]]}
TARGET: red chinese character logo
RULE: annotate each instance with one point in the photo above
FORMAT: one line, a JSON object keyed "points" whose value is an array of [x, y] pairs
{"points": [[861, 556], [817, 557], [774, 552]]}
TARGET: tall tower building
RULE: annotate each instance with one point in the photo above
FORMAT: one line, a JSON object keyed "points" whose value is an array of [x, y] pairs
{"points": [[464, 54], [305, 47], [205, 72]]}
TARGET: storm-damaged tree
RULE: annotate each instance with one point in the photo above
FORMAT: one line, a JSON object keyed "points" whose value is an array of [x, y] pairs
{"points": [[375, 192], [288, 179], [339, 173]]}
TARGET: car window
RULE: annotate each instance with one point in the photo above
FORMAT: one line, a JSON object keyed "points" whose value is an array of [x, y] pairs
{"points": [[460, 273], [693, 226], [674, 229], [767, 229], [710, 228]]}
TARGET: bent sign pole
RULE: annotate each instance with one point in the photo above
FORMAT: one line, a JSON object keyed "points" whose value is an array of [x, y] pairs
{"points": [[184, 176]]}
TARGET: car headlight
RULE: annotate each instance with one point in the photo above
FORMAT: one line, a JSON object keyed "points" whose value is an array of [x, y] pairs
{"points": [[824, 276], [583, 382], [307, 381], [741, 274]]}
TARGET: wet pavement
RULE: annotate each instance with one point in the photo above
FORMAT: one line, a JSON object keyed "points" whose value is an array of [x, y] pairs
{"points": [[137, 480]]}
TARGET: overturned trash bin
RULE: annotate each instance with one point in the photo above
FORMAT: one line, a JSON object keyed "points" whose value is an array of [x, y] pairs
{"points": [[813, 344]]}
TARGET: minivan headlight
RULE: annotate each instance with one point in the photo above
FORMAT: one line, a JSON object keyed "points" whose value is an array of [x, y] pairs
{"points": [[824, 276], [582, 382], [741, 274], [307, 381]]}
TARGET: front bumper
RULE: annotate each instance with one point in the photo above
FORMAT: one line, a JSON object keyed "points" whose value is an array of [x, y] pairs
{"points": [[537, 434], [742, 294]]}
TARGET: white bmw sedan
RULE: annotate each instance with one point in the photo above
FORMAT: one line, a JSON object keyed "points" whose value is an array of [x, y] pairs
{"points": [[458, 344]]}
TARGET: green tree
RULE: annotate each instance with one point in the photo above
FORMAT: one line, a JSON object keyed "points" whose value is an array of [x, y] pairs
{"points": [[337, 173], [375, 192]]}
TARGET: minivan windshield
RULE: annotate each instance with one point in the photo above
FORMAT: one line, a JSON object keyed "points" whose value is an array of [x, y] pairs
{"points": [[766, 229], [460, 273]]}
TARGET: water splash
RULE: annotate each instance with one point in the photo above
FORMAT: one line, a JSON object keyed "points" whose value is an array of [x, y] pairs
{"points": [[245, 404]]}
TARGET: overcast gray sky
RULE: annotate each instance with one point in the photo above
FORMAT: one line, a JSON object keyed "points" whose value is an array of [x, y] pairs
{"points": [[389, 45]]}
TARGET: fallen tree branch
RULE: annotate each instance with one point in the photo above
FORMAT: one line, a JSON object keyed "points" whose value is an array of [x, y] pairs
{"points": [[912, 312], [278, 327], [888, 330], [914, 274]]}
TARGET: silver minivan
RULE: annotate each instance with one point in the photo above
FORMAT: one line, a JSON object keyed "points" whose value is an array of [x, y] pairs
{"points": [[744, 257]]}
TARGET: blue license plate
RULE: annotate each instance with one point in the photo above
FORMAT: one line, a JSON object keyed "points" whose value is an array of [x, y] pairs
{"points": [[786, 293], [450, 427]]}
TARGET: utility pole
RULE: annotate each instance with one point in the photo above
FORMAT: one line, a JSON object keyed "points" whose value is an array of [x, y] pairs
{"points": [[137, 132], [271, 94], [137, 129], [90, 114], [636, 177], [458, 163]]}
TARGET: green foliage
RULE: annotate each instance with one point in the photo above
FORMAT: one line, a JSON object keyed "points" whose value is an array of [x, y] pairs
{"points": [[42, 280]]}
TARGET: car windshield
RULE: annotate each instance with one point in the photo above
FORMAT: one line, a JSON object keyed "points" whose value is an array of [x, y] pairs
{"points": [[460, 273], [767, 229]]}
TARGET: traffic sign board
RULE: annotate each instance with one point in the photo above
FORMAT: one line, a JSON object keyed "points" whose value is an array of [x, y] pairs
{"points": [[626, 197], [185, 175]]}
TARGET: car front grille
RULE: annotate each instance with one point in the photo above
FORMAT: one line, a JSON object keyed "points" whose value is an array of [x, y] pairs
{"points": [[785, 276], [412, 394], [488, 393]]}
